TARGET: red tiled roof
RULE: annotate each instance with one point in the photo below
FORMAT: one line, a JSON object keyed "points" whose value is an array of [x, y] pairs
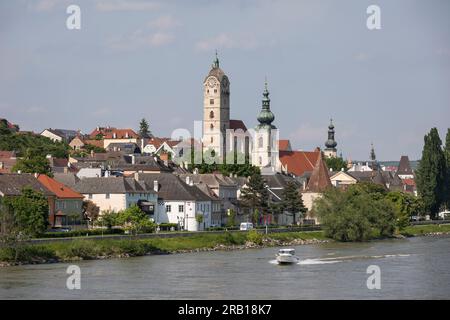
{"points": [[108, 133], [7, 154], [284, 145], [58, 188], [409, 182], [94, 142], [298, 162], [237, 124]]}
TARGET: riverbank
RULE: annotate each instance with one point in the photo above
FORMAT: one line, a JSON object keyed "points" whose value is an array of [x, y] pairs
{"points": [[86, 249]]}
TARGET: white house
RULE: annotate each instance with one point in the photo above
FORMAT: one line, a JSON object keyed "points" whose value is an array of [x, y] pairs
{"points": [[180, 202], [118, 193]]}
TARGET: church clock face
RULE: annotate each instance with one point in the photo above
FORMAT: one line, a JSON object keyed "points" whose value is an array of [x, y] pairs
{"points": [[211, 82]]}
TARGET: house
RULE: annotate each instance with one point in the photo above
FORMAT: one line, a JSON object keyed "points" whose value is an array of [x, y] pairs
{"points": [[179, 201], [118, 193], [126, 148], [360, 167], [60, 135], [130, 164], [8, 125], [284, 145], [342, 179], [77, 143], [68, 203], [61, 165], [7, 161], [223, 191], [114, 135], [317, 184], [12, 184]]}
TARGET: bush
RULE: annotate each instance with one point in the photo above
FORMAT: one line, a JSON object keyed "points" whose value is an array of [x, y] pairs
{"points": [[81, 233], [255, 237]]}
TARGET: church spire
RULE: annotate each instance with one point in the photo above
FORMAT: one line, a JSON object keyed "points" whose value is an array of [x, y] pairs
{"points": [[372, 153], [331, 143], [266, 117], [216, 61]]}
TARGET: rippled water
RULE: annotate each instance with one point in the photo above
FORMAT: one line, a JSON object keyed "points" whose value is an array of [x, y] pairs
{"points": [[416, 268]]}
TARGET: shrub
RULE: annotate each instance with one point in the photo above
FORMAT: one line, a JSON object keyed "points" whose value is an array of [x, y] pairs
{"points": [[255, 237]]}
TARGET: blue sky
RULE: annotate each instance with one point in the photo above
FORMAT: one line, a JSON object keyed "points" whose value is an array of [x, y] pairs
{"points": [[134, 59]]}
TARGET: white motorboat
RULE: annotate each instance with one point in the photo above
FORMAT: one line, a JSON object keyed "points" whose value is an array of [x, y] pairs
{"points": [[287, 256]]}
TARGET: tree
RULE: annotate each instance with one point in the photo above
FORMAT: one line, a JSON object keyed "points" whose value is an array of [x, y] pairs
{"points": [[33, 164], [199, 219], [135, 220], [336, 163], [27, 213], [90, 211], [231, 220], [350, 216], [292, 202], [255, 195], [406, 205], [431, 173], [144, 131], [447, 168], [108, 219]]}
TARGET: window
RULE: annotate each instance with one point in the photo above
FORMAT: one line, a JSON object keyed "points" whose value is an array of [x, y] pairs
{"points": [[181, 208], [212, 139], [168, 208], [215, 90], [211, 127], [211, 114], [260, 142], [211, 101], [107, 196], [90, 196], [260, 161]]}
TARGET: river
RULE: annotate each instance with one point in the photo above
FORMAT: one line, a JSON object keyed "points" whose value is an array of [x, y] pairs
{"points": [[414, 268]]}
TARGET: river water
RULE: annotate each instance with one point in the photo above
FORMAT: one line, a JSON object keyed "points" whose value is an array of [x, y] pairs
{"points": [[415, 268]]}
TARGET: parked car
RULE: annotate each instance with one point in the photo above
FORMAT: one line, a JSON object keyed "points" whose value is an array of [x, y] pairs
{"points": [[245, 226], [444, 215]]}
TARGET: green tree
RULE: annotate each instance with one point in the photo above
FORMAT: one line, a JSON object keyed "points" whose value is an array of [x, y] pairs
{"points": [[108, 219], [336, 163], [255, 195], [231, 220], [199, 218], [431, 173], [406, 205], [292, 202], [144, 130], [353, 216], [447, 168], [135, 220], [33, 164], [28, 213]]}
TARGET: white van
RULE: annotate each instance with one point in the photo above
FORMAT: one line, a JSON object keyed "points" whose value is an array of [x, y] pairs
{"points": [[246, 226]]}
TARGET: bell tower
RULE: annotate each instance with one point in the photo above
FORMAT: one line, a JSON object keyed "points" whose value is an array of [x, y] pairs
{"points": [[216, 109]]}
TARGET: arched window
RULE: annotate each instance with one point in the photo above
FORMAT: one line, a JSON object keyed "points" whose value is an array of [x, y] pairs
{"points": [[211, 127], [211, 114], [260, 142], [212, 139]]}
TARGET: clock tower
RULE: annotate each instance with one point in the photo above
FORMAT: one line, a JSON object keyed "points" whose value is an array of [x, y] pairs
{"points": [[216, 109]]}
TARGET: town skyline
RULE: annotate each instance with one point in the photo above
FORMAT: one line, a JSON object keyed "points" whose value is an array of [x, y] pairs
{"points": [[154, 62]]}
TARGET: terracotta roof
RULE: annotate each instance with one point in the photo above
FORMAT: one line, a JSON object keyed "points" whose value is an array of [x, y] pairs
{"points": [[409, 182], [237, 124], [61, 191], [94, 142], [298, 162], [108, 133], [320, 180], [284, 145], [7, 154]]}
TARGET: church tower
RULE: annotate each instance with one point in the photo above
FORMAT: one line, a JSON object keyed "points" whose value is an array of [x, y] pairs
{"points": [[265, 140], [330, 150], [216, 109]]}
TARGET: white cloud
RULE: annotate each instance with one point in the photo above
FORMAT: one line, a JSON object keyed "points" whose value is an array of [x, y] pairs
{"points": [[139, 39], [225, 40], [122, 5], [164, 22]]}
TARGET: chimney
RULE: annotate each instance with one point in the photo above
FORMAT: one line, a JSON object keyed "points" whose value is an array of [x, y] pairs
{"points": [[155, 186], [188, 179], [136, 176], [133, 159], [66, 169], [92, 153], [114, 135], [36, 175]]}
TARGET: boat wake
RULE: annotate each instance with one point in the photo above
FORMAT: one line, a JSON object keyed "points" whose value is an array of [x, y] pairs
{"points": [[315, 261]]}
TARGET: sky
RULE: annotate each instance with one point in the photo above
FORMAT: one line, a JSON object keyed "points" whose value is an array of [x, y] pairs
{"points": [[134, 59]]}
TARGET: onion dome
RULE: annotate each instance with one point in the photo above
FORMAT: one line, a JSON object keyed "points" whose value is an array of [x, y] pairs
{"points": [[266, 117], [331, 143]]}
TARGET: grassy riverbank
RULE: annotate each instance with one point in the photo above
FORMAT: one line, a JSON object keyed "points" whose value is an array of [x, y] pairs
{"points": [[85, 249]]}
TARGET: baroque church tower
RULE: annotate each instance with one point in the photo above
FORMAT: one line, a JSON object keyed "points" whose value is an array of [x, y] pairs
{"points": [[216, 109], [330, 150], [265, 140]]}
